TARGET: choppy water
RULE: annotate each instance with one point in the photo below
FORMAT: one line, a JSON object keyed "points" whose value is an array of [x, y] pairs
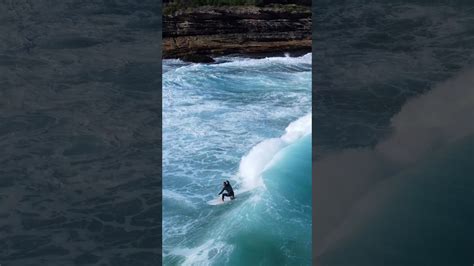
{"points": [[80, 130], [249, 121]]}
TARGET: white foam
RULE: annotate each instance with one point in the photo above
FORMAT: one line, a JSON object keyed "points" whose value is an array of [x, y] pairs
{"points": [[260, 156], [283, 60], [201, 255], [298, 129], [169, 194]]}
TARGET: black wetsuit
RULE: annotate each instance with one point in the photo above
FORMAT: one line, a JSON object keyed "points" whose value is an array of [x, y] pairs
{"points": [[229, 190]]}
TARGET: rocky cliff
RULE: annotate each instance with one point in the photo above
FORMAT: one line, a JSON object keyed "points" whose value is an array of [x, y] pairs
{"points": [[236, 30]]}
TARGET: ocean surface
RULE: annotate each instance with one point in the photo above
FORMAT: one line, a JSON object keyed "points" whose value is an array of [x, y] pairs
{"points": [[394, 102], [80, 133], [248, 121]]}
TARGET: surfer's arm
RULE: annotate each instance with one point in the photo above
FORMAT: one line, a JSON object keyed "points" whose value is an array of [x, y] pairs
{"points": [[221, 191]]}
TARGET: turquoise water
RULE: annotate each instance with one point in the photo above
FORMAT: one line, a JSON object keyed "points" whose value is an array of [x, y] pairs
{"points": [[248, 121]]}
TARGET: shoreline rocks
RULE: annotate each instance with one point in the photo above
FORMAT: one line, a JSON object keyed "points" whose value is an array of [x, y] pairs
{"points": [[197, 34]]}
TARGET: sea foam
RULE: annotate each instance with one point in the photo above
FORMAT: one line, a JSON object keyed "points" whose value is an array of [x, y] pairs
{"points": [[261, 155]]}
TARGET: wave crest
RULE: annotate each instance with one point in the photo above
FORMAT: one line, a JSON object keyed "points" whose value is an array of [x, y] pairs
{"points": [[261, 155]]}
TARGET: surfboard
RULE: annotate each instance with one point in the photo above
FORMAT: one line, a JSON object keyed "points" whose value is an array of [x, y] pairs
{"points": [[219, 201], [239, 195]]}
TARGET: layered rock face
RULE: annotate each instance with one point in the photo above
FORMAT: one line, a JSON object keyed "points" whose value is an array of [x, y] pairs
{"points": [[231, 30]]}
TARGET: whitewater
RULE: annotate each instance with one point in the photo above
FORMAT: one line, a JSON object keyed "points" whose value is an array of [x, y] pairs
{"points": [[246, 120]]}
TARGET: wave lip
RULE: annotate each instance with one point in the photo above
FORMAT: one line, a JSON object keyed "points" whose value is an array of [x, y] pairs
{"points": [[259, 235], [260, 157]]}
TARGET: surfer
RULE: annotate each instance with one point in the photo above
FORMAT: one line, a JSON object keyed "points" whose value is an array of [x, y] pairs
{"points": [[229, 191]]}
